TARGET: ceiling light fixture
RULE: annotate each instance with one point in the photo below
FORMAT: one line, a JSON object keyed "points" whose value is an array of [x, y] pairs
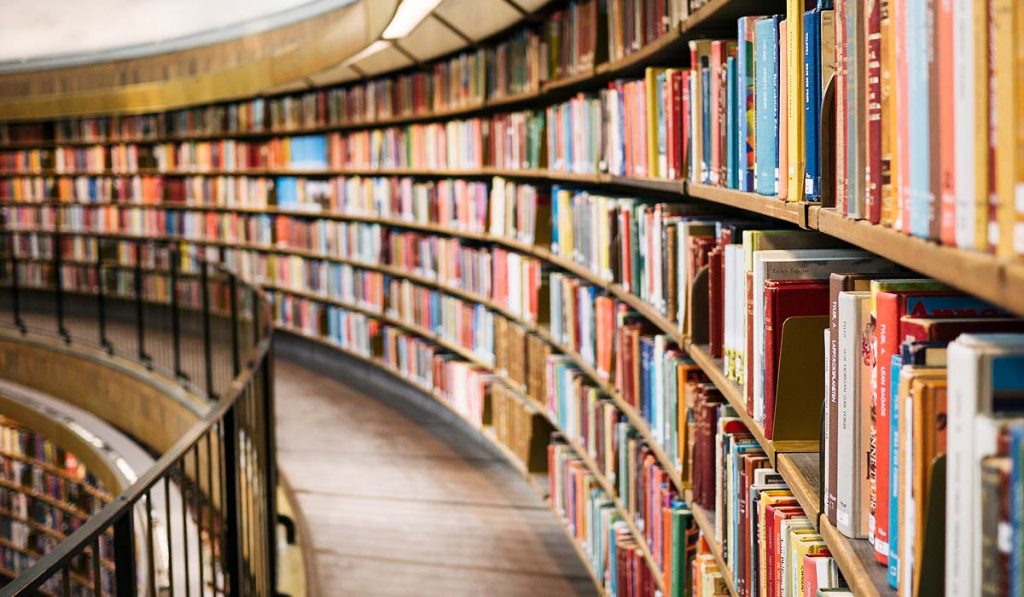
{"points": [[368, 51], [408, 16]]}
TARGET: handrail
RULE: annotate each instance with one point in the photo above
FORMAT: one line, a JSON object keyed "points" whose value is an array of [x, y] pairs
{"points": [[222, 468]]}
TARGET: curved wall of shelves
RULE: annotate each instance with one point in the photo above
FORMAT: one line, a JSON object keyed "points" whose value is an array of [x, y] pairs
{"points": [[253, 236]]}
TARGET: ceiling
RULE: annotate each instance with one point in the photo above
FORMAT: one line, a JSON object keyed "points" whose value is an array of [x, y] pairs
{"points": [[70, 57], [58, 33]]}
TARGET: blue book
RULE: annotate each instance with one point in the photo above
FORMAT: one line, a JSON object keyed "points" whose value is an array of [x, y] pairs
{"points": [[1017, 509], [919, 190], [812, 104], [286, 190], [308, 152], [646, 370], [766, 104], [731, 157], [896, 363], [705, 166]]}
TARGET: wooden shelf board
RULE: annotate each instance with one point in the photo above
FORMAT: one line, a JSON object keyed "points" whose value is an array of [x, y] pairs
{"points": [[982, 274], [773, 207]]}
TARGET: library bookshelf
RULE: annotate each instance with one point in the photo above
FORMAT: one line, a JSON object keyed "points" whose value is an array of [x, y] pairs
{"points": [[984, 275]]}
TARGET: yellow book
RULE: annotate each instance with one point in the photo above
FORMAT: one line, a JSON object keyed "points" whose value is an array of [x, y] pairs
{"points": [[981, 124], [1006, 111], [795, 96], [651, 97], [802, 543], [565, 225], [890, 172]]}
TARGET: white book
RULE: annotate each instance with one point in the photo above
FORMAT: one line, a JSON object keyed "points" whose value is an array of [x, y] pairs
{"points": [[854, 415], [732, 295], [978, 365], [964, 118], [798, 264]]}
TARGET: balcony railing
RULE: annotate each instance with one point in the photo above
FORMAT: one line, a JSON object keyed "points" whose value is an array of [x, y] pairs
{"points": [[202, 519]]}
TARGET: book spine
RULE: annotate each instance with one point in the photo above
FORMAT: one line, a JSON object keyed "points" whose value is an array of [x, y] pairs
{"points": [[856, 98], [765, 84], [886, 317], [1006, 111], [795, 103], [812, 103], [887, 54], [745, 103], [841, 46], [946, 62], [732, 159], [917, 56], [781, 144], [967, 122], [893, 568], [873, 128], [900, 166]]}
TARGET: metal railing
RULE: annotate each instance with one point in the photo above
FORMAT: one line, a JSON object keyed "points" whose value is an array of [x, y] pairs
{"points": [[202, 519]]}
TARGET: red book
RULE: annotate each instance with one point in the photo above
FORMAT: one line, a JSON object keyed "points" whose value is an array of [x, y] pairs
{"points": [[773, 515], [716, 301], [873, 127], [684, 154], [675, 117], [785, 299]]}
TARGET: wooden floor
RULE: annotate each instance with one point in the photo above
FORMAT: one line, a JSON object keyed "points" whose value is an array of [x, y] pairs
{"points": [[401, 500]]}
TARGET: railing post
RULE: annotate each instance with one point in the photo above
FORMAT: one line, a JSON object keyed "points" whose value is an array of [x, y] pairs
{"points": [[270, 463], [236, 360], [16, 296], [124, 554], [175, 315], [232, 534], [140, 317], [58, 270], [101, 303], [204, 290]]}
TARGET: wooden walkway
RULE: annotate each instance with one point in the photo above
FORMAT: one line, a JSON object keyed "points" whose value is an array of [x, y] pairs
{"points": [[402, 501]]}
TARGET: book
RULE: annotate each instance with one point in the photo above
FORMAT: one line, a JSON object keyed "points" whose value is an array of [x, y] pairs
{"points": [[766, 88], [795, 99]]}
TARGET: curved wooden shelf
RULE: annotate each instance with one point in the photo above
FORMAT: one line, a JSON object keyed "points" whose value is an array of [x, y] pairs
{"points": [[1001, 282]]}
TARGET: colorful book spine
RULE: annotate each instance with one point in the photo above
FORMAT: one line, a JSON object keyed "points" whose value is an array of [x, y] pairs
{"points": [[766, 110], [745, 102]]}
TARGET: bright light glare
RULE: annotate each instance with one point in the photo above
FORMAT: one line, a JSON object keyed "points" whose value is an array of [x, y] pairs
{"points": [[368, 51], [408, 16]]}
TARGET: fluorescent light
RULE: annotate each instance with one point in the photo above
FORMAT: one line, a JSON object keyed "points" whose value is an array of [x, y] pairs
{"points": [[408, 16], [368, 51]]}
